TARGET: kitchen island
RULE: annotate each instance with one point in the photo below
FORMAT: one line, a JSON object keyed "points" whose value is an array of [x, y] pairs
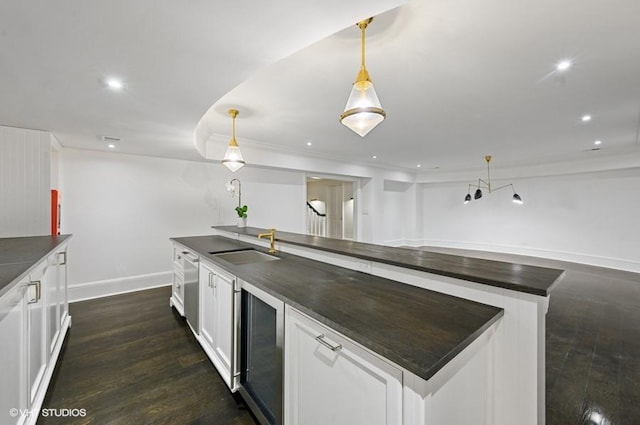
{"points": [[419, 330], [521, 291], [421, 356], [34, 319]]}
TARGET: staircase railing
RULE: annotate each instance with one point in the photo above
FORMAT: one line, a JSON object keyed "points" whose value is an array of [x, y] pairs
{"points": [[316, 221]]}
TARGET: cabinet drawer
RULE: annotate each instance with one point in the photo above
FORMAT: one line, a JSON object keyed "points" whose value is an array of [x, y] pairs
{"points": [[330, 379], [177, 257]]}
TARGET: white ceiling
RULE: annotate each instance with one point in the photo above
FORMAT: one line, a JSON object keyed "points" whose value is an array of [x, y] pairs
{"points": [[458, 78]]}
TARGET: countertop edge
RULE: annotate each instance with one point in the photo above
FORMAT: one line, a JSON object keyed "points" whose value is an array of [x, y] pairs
{"points": [[481, 280], [8, 287]]}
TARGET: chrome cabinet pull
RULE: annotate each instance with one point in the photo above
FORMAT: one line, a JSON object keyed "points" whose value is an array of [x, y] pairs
{"points": [[65, 258], [35, 283], [320, 339]]}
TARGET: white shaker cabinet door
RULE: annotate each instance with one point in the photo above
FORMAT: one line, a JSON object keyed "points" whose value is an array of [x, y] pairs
{"points": [[217, 330], [223, 300], [331, 380], [207, 308], [13, 391], [37, 328], [52, 299]]}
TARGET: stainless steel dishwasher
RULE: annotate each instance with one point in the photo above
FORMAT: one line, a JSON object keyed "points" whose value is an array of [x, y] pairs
{"points": [[191, 289]]}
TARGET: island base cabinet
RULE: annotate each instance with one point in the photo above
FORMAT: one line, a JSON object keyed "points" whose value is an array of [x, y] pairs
{"points": [[13, 388], [34, 321], [329, 379]]}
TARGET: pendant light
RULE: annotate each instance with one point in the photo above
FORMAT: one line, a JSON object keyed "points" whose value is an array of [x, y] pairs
{"points": [[486, 184], [233, 159], [363, 111]]}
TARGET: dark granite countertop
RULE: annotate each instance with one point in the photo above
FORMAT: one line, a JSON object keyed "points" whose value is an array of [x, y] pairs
{"points": [[518, 277], [418, 329], [19, 255], [205, 245]]}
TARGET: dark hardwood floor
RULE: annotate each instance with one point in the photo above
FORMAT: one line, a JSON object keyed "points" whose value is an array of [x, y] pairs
{"points": [[592, 343], [131, 359]]}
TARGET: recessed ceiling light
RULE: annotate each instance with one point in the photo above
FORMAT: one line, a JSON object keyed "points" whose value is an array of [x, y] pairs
{"points": [[597, 142], [114, 84], [563, 65], [375, 157], [309, 143], [586, 118], [111, 146], [418, 165]]}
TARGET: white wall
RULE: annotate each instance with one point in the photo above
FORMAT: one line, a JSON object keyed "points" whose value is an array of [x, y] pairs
{"points": [[122, 210], [25, 182], [400, 212], [590, 218]]}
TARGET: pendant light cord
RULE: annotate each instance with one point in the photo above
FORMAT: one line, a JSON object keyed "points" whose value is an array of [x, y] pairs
{"points": [[363, 27], [233, 126], [488, 176]]}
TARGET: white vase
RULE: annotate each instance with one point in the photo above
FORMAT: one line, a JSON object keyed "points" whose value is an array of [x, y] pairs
{"points": [[242, 222]]}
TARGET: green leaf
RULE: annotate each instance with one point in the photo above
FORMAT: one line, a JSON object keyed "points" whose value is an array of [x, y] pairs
{"points": [[242, 211]]}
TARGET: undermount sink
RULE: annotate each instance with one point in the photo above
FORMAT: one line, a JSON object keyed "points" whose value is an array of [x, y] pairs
{"points": [[251, 256]]}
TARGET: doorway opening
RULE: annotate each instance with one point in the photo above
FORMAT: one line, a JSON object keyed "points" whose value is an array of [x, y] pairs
{"points": [[330, 209]]}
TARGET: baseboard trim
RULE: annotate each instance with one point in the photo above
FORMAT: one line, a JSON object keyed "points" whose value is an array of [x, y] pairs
{"points": [[404, 242], [106, 288], [592, 260]]}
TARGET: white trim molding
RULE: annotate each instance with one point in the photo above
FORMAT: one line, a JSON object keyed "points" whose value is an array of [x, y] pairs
{"points": [[121, 285]]}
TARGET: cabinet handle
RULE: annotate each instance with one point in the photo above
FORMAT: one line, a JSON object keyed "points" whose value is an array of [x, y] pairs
{"points": [[212, 282], [320, 339], [177, 285], [35, 283], [65, 258]]}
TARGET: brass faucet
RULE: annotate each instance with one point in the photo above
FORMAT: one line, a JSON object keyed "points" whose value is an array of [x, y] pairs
{"points": [[271, 234]]}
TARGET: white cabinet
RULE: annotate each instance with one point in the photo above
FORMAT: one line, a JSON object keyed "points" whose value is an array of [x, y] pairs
{"points": [[37, 347], [34, 319], [13, 389], [55, 297], [177, 291], [329, 379], [207, 325], [218, 324]]}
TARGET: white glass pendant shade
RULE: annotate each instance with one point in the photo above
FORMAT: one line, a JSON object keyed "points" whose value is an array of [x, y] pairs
{"points": [[233, 159], [363, 111]]}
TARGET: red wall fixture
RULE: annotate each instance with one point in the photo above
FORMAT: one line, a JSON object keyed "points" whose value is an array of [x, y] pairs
{"points": [[55, 212]]}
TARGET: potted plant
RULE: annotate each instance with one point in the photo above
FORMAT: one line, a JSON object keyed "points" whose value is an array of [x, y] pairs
{"points": [[242, 215]]}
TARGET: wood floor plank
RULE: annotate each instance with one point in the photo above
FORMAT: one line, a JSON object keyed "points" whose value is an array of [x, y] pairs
{"points": [[130, 359]]}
